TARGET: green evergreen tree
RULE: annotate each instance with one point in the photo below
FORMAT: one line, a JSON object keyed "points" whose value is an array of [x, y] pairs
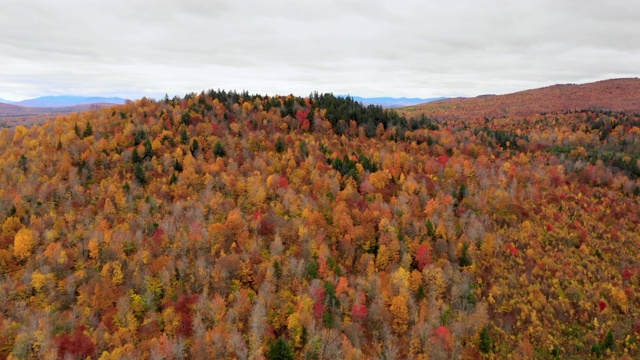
{"points": [[464, 259], [184, 138], [23, 163], [139, 174], [279, 350], [608, 342], [312, 268], [88, 131], [280, 145], [177, 166], [148, 149], [420, 293], [194, 147], [186, 118], [218, 150], [138, 136], [431, 230], [277, 269], [485, 341], [462, 192], [304, 150], [135, 156], [327, 319]]}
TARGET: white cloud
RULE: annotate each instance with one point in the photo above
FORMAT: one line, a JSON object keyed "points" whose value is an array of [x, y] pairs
{"points": [[367, 48]]}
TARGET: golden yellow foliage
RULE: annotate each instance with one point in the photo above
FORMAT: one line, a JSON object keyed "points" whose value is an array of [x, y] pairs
{"points": [[620, 299], [94, 249], [415, 280], [295, 329], [435, 280], [39, 280], [400, 278], [113, 271], [400, 314], [23, 243], [11, 226], [380, 179]]}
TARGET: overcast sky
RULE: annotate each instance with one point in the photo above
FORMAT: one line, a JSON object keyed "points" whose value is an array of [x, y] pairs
{"points": [[413, 48]]}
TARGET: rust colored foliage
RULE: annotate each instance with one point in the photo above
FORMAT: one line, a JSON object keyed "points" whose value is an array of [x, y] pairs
{"points": [[76, 344]]}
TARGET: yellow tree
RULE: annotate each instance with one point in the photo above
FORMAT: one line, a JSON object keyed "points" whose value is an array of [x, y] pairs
{"points": [[11, 226], [23, 243], [400, 314]]}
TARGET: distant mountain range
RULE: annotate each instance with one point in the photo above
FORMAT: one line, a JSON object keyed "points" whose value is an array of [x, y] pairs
{"points": [[390, 102], [64, 101]]}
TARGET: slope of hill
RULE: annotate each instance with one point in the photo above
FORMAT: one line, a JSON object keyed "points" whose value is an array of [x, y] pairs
{"points": [[7, 110], [12, 115], [226, 225], [616, 95]]}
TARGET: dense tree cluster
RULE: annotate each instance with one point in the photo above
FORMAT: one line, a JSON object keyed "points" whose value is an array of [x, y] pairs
{"points": [[227, 225], [372, 119]]}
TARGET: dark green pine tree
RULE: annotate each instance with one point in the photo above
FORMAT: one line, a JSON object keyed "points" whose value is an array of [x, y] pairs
{"points": [[485, 341], [135, 157], [280, 145], [23, 163], [88, 131], [177, 166], [218, 150], [609, 341], [186, 118], [279, 350], [148, 149], [194, 147], [465, 260], [139, 174], [184, 138]]}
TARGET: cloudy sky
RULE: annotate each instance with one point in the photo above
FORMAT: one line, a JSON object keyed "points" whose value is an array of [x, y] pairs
{"points": [[414, 48]]}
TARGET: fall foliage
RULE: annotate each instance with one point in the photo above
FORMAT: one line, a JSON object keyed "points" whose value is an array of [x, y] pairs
{"points": [[23, 243], [621, 95], [229, 225]]}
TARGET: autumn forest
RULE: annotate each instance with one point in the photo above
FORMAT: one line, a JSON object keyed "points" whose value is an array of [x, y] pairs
{"points": [[230, 225]]}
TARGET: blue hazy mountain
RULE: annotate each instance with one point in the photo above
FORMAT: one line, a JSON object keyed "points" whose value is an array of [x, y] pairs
{"points": [[390, 102], [63, 101]]}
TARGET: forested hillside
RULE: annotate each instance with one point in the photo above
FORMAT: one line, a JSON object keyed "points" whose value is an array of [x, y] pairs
{"points": [[613, 95], [225, 225], [12, 115]]}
